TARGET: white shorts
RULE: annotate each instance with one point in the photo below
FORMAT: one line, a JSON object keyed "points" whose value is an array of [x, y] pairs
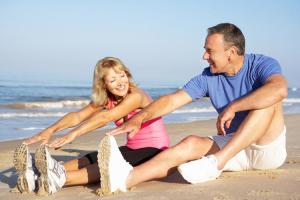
{"points": [[270, 156]]}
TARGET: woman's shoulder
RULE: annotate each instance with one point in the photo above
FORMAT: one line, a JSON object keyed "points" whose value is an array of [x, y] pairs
{"points": [[136, 91]]}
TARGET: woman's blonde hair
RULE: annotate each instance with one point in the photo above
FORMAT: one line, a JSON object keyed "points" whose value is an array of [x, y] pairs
{"points": [[100, 94]]}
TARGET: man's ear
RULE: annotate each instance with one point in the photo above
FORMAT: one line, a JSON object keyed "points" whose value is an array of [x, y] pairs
{"points": [[234, 50]]}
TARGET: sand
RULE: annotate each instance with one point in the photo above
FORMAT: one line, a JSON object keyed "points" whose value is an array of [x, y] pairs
{"points": [[282, 183]]}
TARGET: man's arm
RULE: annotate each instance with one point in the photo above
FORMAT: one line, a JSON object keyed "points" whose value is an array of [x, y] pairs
{"points": [[160, 107], [273, 91]]}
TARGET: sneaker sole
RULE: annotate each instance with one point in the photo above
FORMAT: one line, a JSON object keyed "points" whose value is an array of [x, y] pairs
{"points": [[41, 165], [20, 163], [103, 162]]}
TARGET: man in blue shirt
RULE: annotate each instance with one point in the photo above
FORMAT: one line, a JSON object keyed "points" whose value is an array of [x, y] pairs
{"points": [[246, 90]]}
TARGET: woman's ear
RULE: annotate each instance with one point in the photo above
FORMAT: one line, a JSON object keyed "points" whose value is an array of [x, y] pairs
{"points": [[104, 87]]}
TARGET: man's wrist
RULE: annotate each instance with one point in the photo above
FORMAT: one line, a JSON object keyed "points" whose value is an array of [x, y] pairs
{"points": [[143, 117], [233, 107]]}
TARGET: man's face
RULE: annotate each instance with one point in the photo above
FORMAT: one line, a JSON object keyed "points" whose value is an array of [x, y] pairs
{"points": [[216, 53]]}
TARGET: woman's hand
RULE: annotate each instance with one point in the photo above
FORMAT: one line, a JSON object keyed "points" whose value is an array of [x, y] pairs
{"points": [[60, 141], [44, 136]]}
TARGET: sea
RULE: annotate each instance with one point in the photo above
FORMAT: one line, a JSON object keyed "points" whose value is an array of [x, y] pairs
{"points": [[26, 109]]}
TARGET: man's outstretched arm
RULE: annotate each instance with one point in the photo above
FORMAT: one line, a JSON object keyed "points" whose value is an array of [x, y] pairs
{"points": [[160, 107]]}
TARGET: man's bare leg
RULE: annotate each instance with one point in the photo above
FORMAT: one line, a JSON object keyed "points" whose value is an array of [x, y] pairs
{"points": [[260, 127], [190, 148]]}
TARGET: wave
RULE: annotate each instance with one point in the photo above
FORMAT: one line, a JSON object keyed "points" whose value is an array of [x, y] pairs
{"points": [[49, 105], [39, 114], [293, 89], [30, 128], [292, 100], [194, 110]]}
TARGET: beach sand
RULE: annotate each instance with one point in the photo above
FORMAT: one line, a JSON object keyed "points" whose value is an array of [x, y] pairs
{"points": [[283, 183]]}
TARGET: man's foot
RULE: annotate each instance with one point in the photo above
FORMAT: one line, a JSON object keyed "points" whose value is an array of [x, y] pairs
{"points": [[201, 170], [113, 168], [24, 165], [53, 173]]}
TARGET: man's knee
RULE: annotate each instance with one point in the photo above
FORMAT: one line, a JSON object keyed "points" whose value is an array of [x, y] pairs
{"points": [[188, 144], [269, 111]]}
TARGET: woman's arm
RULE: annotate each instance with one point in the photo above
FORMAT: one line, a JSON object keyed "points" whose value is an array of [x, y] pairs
{"points": [[131, 102], [69, 120]]}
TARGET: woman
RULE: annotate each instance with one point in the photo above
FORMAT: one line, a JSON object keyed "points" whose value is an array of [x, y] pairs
{"points": [[115, 98]]}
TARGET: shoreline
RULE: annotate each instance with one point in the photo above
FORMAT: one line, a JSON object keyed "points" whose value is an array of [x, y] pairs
{"points": [[276, 184]]}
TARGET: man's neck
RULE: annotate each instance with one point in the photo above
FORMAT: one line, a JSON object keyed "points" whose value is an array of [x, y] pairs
{"points": [[236, 66]]}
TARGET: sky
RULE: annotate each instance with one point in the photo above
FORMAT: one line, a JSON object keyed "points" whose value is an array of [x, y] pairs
{"points": [[160, 41]]}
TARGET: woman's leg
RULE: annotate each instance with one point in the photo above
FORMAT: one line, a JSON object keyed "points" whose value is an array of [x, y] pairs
{"points": [[81, 162], [86, 175], [82, 171], [138, 156]]}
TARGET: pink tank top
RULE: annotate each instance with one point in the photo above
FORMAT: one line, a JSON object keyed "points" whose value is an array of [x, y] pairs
{"points": [[152, 133]]}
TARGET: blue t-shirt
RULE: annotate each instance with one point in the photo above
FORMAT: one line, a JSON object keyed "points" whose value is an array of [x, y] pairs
{"points": [[223, 89]]}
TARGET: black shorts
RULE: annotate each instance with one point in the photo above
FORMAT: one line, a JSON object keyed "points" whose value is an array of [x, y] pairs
{"points": [[133, 156]]}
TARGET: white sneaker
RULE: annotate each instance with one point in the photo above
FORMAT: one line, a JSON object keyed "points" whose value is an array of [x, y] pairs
{"points": [[114, 169], [53, 173], [26, 170], [201, 170]]}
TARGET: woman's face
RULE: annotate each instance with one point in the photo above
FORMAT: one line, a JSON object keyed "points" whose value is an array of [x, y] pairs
{"points": [[116, 82]]}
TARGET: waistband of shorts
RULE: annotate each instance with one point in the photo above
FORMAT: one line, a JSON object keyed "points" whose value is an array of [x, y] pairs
{"points": [[277, 141]]}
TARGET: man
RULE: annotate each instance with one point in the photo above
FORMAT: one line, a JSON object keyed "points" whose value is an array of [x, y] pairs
{"points": [[246, 90]]}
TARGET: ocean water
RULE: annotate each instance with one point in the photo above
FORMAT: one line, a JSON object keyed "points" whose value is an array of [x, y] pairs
{"points": [[27, 109]]}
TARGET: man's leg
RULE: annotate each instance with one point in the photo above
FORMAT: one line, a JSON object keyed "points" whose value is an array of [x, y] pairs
{"points": [[260, 127], [190, 148]]}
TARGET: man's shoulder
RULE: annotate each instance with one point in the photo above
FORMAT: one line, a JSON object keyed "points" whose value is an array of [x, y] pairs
{"points": [[257, 59]]}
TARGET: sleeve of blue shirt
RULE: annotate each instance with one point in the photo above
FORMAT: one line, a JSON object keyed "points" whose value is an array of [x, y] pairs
{"points": [[197, 86], [266, 68]]}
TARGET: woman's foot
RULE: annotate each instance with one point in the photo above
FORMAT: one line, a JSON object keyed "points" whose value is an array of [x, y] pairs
{"points": [[27, 174], [114, 169], [53, 173]]}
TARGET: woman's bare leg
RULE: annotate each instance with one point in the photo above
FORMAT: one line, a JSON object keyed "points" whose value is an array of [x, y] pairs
{"points": [[76, 164], [86, 175]]}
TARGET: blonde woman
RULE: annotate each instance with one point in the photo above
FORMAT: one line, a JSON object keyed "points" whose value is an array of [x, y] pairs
{"points": [[116, 99]]}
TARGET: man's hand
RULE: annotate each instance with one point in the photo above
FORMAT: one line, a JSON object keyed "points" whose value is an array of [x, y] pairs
{"points": [[131, 127], [44, 137], [60, 141], [225, 119]]}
